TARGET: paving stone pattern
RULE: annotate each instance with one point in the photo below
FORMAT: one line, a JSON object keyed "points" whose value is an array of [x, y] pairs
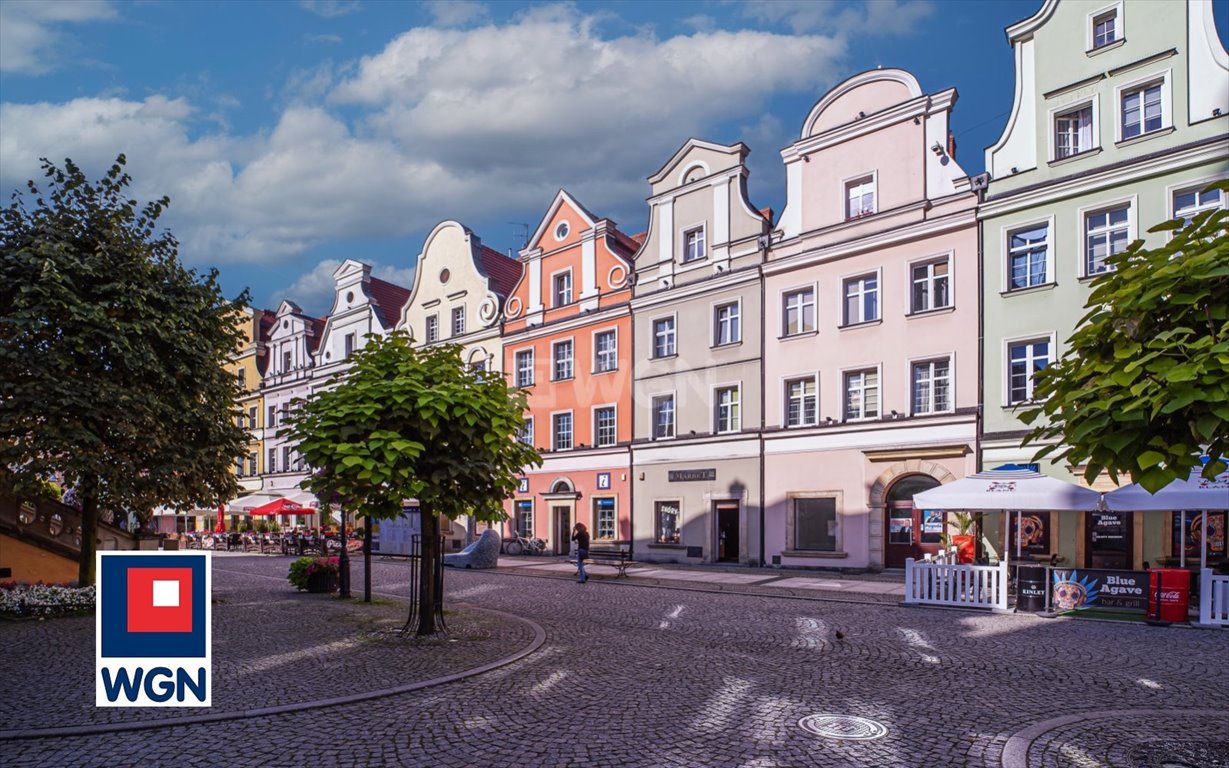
{"points": [[640, 676]]}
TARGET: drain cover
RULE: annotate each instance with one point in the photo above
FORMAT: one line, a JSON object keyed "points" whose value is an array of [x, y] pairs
{"points": [[847, 727]]}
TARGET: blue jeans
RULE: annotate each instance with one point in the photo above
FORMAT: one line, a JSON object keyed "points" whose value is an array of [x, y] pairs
{"points": [[581, 554]]}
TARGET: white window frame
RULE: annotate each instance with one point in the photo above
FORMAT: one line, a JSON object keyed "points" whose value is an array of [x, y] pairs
{"points": [[736, 405], [1094, 105], [1131, 204], [271, 461], [349, 344], [791, 526], [554, 359], [614, 522], [813, 289], [519, 523], [702, 231], [1165, 78], [455, 314], [518, 368], [614, 408], [432, 327], [1195, 185], [1050, 241], [1050, 337], [715, 338], [614, 331], [813, 378], [674, 415], [847, 185], [554, 289], [950, 259], [845, 373], [554, 430], [674, 340], [950, 359], [677, 501], [1090, 28], [527, 431], [844, 321]]}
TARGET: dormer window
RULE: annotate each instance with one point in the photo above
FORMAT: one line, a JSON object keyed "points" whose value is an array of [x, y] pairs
{"points": [[860, 197], [1105, 28], [694, 245]]}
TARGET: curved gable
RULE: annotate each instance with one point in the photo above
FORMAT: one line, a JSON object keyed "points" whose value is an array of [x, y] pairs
{"points": [[860, 96]]}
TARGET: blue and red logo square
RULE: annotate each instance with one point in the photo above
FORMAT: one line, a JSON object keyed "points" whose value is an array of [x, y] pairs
{"points": [[153, 629]]}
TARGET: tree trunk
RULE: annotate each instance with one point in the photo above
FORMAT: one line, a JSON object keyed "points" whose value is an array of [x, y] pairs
{"points": [[426, 587], [89, 531], [367, 559]]}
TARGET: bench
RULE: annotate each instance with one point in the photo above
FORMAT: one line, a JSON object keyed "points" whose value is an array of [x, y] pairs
{"points": [[619, 557]]}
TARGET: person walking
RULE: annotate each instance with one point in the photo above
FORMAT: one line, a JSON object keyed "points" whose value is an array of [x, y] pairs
{"points": [[580, 535]]}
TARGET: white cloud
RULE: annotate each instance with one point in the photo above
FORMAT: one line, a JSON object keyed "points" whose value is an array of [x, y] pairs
{"points": [[457, 13], [313, 290], [481, 125], [322, 38], [329, 9], [31, 41], [868, 17]]}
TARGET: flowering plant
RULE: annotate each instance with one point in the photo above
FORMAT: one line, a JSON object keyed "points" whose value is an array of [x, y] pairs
{"points": [[304, 568], [44, 599]]}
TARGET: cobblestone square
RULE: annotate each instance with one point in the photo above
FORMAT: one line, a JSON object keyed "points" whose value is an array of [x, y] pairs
{"points": [[618, 673]]}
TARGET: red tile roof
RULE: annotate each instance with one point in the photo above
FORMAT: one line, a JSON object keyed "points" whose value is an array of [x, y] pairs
{"points": [[388, 299], [767, 214], [503, 271]]}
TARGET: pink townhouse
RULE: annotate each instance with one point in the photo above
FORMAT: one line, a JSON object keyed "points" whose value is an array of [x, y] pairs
{"points": [[871, 328]]}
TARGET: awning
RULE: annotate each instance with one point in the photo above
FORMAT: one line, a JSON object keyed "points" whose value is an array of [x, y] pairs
{"points": [[278, 507], [1195, 492], [997, 490]]}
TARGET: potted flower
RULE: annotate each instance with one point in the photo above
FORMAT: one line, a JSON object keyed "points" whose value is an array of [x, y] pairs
{"points": [[965, 539], [314, 574]]}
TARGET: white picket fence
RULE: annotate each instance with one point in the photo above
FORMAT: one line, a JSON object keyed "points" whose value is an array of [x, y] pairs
{"points": [[1213, 599], [965, 586], [942, 556]]}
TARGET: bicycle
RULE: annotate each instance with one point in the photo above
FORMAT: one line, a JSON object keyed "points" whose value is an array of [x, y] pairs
{"points": [[519, 545]]}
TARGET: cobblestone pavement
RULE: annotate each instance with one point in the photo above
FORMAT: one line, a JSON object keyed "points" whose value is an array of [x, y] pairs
{"points": [[638, 676]]}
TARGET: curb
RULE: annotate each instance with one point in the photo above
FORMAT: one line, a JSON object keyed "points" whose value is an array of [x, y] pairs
{"points": [[1015, 751]]}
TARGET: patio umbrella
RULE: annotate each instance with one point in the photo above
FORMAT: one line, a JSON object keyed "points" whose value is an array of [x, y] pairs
{"points": [[1195, 492], [277, 507], [251, 501], [1009, 489]]}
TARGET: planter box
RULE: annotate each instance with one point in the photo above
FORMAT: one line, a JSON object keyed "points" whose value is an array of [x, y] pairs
{"points": [[322, 582]]}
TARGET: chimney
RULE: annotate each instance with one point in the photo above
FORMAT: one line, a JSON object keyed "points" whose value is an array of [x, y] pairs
{"points": [[951, 145]]}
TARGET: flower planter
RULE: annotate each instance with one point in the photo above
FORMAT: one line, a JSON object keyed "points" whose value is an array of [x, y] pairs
{"points": [[322, 582], [966, 548]]}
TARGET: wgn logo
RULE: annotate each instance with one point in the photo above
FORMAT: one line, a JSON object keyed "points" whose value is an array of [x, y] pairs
{"points": [[153, 639]]}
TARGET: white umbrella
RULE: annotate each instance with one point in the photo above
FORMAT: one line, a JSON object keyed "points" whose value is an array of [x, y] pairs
{"points": [[1195, 492], [251, 501], [1009, 489]]}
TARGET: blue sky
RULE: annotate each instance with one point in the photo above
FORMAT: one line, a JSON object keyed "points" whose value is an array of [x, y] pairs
{"points": [[293, 135]]}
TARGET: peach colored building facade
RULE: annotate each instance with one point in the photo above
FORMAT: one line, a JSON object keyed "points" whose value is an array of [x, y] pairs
{"points": [[871, 328], [567, 343]]}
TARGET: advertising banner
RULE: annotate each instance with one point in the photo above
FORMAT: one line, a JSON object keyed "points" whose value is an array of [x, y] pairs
{"points": [[1076, 589]]}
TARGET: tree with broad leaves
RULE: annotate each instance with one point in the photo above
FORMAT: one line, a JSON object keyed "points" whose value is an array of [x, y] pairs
{"points": [[405, 423], [111, 355], [1143, 389]]}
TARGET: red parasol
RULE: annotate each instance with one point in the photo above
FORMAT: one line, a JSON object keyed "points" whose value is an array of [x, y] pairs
{"points": [[277, 507]]}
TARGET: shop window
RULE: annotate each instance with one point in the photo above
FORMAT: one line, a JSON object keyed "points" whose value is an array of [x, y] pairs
{"points": [[524, 517], [666, 516], [815, 525], [604, 518]]}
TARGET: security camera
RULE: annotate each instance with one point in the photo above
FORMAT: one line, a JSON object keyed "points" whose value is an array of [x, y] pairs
{"points": [[937, 148]]}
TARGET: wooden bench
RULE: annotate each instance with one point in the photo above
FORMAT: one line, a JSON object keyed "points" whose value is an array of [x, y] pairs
{"points": [[619, 557]]}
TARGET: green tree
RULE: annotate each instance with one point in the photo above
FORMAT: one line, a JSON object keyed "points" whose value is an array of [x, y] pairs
{"points": [[406, 423], [111, 354], [1143, 389]]}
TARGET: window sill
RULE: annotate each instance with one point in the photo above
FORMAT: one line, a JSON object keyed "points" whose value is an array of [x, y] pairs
{"points": [[659, 438], [599, 373], [923, 414], [834, 555], [525, 386], [563, 378], [930, 312], [1029, 289], [658, 545], [1077, 156], [665, 357], [799, 335], [1089, 278], [1144, 137], [849, 420], [863, 324], [727, 344], [1107, 47]]}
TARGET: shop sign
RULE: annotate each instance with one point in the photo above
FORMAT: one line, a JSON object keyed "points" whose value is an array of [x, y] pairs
{"points": [[603, 481], [691, 475], [1075, 589], [522, 485], [1109, 531]]}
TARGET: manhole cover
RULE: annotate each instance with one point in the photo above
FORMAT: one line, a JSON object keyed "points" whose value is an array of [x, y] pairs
{"points": [[847, 727]]}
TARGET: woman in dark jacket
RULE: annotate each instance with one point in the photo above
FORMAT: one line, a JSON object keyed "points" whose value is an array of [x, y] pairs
{"points": [[580, 535]]}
